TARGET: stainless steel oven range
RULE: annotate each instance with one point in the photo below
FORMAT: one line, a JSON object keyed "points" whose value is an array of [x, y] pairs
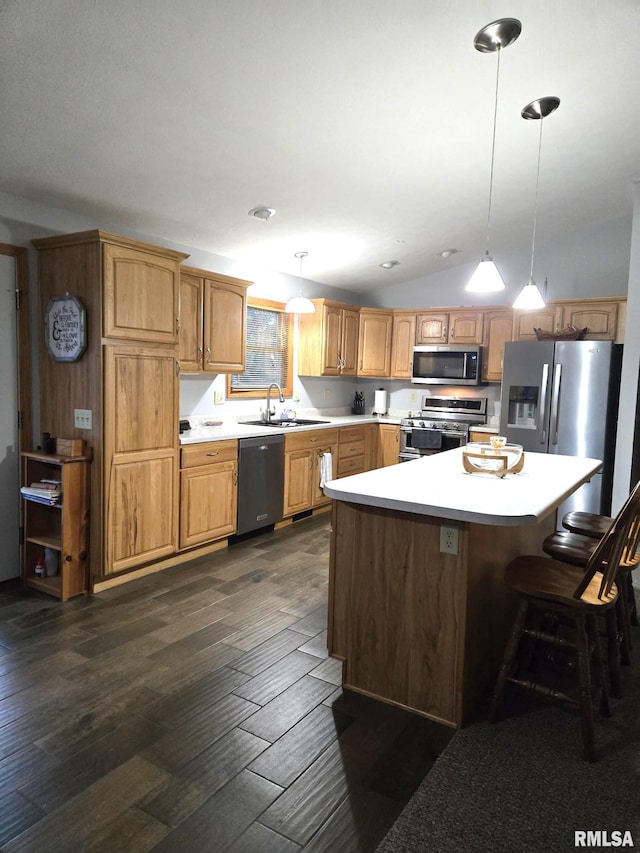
{"points": [[443, 423]]}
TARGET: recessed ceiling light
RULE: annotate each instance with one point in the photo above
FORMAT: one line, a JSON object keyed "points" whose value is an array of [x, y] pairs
{"points": [[389, 265], [446, 252], [263, 213]]}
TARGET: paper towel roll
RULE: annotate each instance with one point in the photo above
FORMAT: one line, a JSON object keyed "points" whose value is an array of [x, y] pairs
{"points": [[380, 402]]}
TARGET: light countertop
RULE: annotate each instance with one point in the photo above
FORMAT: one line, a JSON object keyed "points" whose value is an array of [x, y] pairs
{"points": [[438, 485], [230, 429]]}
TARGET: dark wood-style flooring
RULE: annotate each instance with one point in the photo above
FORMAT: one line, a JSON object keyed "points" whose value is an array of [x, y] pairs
{"points": [[196, 710]]}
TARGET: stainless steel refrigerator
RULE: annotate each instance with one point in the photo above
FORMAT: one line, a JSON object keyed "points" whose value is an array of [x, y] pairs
{"points": [[562, 397]]}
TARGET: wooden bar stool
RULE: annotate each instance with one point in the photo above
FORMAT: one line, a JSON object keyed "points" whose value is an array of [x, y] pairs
{"points": [[587, 524], [595, 526], [578, 596], [575, 548]]}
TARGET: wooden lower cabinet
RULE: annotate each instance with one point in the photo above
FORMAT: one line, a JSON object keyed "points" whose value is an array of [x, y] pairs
{"points": [[302, 468], [351, 451], [389, 444], [208, 492], [141, 455], [141, 513]]}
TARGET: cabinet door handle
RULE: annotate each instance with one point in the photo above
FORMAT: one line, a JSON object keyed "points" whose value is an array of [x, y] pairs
{"points": [[235, 478], [199, 352], [177, 325], [208, 353], [214, 453], [177, 367]]}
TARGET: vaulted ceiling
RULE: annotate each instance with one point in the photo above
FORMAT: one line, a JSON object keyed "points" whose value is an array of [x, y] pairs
{"points": [[366, 124]]}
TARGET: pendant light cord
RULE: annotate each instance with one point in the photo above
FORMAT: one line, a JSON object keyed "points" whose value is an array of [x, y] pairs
{"points": [[493, 146], [535, 204]]}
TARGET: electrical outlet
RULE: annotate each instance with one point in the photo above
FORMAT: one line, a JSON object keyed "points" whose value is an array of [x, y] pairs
{"points": [[83, 418], [218, 398], [413, 396], [296, 396], [448, 540], [327, 393]]}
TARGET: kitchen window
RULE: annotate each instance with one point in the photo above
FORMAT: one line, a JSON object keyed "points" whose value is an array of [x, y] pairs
{"points": [[269, 352]]}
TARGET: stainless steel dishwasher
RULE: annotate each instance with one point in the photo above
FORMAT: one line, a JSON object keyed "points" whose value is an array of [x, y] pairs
{"points": [[260, 482]]}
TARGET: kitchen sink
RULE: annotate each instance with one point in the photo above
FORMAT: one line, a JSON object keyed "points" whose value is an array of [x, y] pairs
{"points": [[289, 422]]}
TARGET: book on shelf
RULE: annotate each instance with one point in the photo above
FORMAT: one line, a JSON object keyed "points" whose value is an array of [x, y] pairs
{"points": [[44, 491]]}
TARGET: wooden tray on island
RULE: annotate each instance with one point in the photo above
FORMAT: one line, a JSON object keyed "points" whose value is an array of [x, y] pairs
{"points": [[481, 458]]}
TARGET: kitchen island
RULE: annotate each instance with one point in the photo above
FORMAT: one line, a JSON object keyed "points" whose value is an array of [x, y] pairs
{"points": [[418, 611]]}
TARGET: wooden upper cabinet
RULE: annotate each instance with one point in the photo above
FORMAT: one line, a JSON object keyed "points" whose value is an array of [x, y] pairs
{"points": [[450, 327], [213, 322], [549, 319], [432, 328], [466, 327], [498, 328], [403, 338], [374, 342], [191, 323], [140, 294], [225, 325], [600, 318], [350, 341], [328, 340]]}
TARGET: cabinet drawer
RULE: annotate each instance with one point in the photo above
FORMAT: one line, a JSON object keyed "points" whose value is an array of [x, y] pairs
{"points": [[351, 448], [348, 434], [311, 439], [352, 465], [208, 452]]}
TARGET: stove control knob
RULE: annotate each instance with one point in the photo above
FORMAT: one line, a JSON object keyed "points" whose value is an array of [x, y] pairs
{"points": [[422, 423], [409, 423]]}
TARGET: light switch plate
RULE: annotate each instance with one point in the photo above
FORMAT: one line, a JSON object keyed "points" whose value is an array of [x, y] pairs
{"points": [[83, 418], [218, 398]]}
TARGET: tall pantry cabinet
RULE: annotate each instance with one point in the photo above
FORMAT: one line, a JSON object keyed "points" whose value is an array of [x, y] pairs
{"points": [[128, 379]]}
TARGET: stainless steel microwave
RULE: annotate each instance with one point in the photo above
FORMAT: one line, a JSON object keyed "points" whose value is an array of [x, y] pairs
{"points": [[447, 365]]}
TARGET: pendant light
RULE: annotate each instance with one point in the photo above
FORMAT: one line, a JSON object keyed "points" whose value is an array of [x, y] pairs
{"points": [[492, 39], [300, 304], [530, 297]]}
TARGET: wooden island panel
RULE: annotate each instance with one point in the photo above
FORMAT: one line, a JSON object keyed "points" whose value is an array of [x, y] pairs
{"points": [[415, 627]]}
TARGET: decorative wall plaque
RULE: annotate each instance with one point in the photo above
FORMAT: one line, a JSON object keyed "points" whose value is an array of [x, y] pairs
{"points": [[65, 332]]}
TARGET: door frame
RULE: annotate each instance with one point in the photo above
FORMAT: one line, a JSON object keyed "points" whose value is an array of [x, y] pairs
{"points": [[22, 332]]}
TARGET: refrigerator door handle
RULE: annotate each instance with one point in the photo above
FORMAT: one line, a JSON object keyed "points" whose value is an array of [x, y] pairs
{"points": [[543, 402], [555, 401]]}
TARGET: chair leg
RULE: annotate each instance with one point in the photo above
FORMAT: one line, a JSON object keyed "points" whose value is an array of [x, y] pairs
{"points": [[586, 696], [613, 653], [508, 663], [624, 628], [598, 664]]}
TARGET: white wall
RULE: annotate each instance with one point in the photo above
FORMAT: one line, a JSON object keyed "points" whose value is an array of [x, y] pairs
{"points": [[590, 264], [630, 369]]}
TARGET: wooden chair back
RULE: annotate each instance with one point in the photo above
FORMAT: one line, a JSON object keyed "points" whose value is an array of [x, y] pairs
{"points": [[618, 547]]}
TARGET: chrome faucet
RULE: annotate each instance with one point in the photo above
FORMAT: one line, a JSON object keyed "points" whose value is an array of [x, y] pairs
{"points": [[268, 414]]}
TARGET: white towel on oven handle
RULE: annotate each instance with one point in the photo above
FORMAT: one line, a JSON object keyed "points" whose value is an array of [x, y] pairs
{"points": [[326, 468]]}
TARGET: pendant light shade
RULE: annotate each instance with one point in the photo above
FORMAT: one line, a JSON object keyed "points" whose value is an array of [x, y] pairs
{"points": [[300, 304], [530, 297], [492, 39], [486, 278]]}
